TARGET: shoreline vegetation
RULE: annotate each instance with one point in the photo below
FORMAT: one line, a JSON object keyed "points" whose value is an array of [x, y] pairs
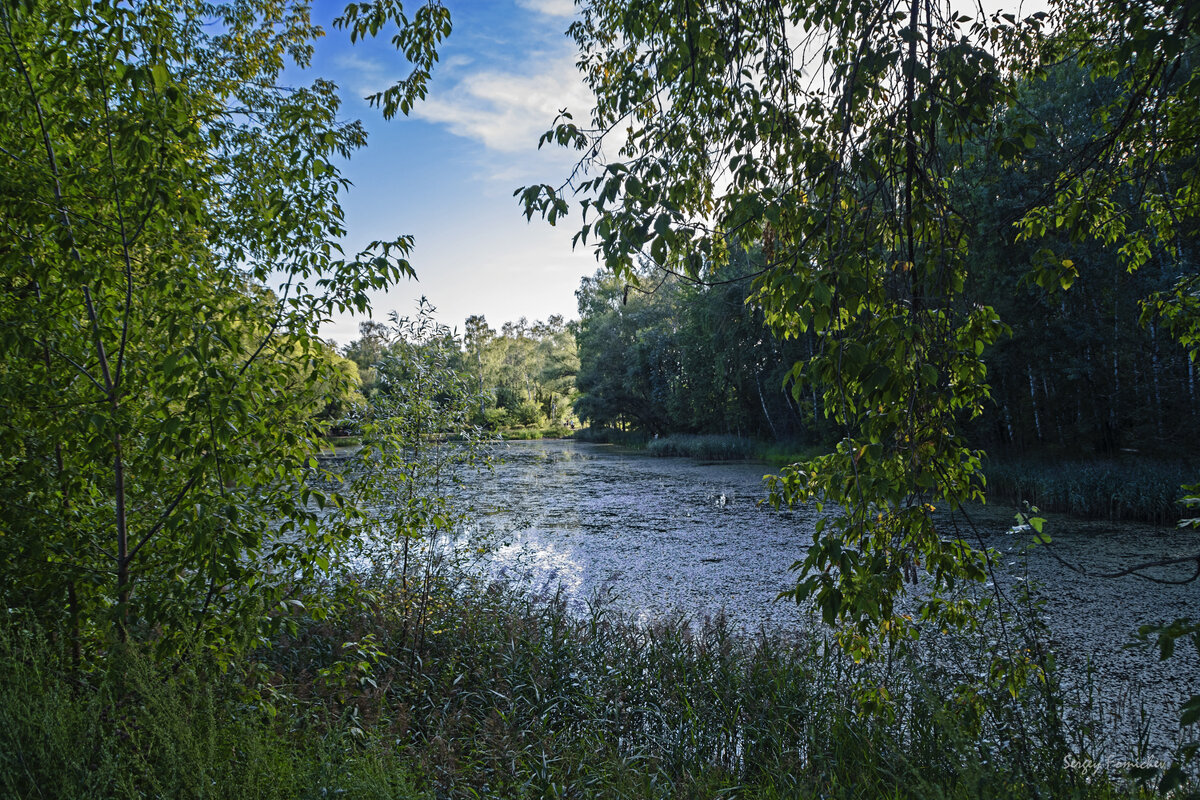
{"points": [[466, 691], [1131, 489]]}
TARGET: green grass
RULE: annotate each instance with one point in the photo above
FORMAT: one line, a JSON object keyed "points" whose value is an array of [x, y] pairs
{"points": [[783, 453], [525, 434], [130, 728], [1143, 491], [343, 441], [707, 447], [494, 694], [630, 439], [716, 447]]}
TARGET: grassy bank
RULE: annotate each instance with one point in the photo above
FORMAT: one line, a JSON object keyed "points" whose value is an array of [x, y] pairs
{"points": [[630, 439], [129, 728], [492, 694], [706, 447], [512, 434], [343, 441], [1136, 491], [525, 434]]}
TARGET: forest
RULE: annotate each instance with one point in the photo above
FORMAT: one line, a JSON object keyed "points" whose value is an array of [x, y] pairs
{"points": [[914, 247], [1080, 373]]}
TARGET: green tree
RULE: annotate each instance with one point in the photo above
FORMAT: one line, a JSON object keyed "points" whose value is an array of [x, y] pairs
{"points": [[834, 136], [477, 335], [674, 356], [841, 179], [418, 441], [367, 351], [525, 373], [1080, 373], [159, 399]]}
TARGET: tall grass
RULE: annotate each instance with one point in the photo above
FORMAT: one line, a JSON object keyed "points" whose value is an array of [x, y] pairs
{"points": [[507, 697], [610, 436], [707, 447], [130, 728], [720, 447], [485, 693], [1143, 491], [703, 446], [525, 434]]}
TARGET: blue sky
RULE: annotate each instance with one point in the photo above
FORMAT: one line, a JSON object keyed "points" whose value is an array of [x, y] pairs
{"points": [[447, 173]]}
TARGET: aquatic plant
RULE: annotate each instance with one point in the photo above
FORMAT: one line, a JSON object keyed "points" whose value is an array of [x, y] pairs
{"points": [[1144, 491], [600, 435], [707, 447]]}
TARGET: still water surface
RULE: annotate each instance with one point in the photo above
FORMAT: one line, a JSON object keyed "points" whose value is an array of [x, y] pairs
{"points": [[663, 536]]}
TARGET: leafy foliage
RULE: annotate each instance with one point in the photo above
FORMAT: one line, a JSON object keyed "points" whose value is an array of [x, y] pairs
{"points": [[675, 357], [863, 149], [419, 442], [522, 376], [160, 396], [827, 136]]}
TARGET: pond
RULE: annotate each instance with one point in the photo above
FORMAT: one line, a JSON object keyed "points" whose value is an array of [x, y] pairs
{"points": [[662, 536]]}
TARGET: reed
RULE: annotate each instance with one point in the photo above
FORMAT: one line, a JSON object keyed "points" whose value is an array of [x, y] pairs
{"points": [[526, 434], [1141, 491], [127, 727], [509, 696], [706, 447], [594, 435]]}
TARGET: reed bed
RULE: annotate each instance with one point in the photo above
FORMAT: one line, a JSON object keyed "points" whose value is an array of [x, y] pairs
{"points": [[528, 434], [127, 727], [706, 447], [594, 435], [1135, 491], [503, 695]]}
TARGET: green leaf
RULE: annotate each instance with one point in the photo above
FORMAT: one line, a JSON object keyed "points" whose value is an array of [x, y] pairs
{"points": [[1191, 711]]}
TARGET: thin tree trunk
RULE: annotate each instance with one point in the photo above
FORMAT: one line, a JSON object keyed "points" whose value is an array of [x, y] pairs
{"points": [[1156, 371], [1037, 420], [114, 404], [1191, 365], [1115, 406], [763, 401]]}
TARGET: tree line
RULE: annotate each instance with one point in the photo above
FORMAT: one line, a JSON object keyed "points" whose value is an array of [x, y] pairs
{"points": [[1085, 372], [168, 252], [522, 376]]}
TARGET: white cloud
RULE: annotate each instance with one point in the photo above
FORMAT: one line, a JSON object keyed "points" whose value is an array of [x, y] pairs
{"points": [[357, 63], [555, 8], [457, 61], [507, 112]]}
